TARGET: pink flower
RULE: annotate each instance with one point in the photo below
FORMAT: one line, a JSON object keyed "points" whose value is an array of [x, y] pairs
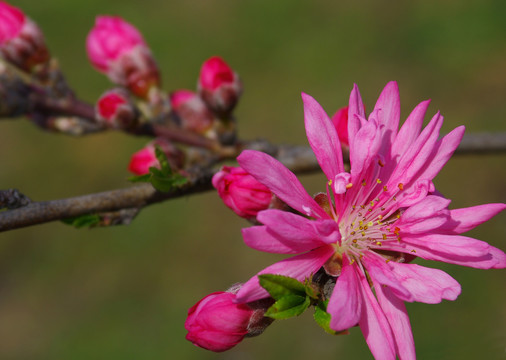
{"points": [[118, 49], [115, 109], [219, 85], [145, 158], [241, 192], [191, 111], [21, 41], [217, 323], [379, 216]]}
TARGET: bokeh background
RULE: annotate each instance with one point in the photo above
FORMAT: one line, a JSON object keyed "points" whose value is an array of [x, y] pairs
{"points": [[123, 292]]}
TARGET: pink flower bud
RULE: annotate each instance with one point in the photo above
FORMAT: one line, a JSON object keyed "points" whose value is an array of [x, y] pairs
{"points": [[241, 192], [21, 41], [117, 49], [217, 323], [219, 85], [115, 109], [191, 111], [340, 120], [145, 158]]}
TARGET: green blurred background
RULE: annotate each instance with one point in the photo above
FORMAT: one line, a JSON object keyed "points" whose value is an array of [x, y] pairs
{"points": [[123, 292]]}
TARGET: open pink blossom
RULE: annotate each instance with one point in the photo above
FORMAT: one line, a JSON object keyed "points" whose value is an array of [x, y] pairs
{"points": [[373, 221]]}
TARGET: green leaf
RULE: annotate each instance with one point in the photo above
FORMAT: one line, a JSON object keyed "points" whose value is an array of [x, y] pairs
{"points": [[140, 178], [322, 318], [82, 221], [279, 286], [163, 179], [288, 306]]}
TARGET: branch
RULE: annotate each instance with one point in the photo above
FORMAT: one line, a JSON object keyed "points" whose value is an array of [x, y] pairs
{"points": [[299, 159]]}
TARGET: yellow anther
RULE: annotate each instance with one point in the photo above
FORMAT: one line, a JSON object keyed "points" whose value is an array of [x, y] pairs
{"points": [[378, 181], [349, 186], [413, 251], [364, 183], [354, 241], [385, 188], [363, 233], [401, 186], [370, 210], [384, 236], [362, 206], [370, 223], [353, 233], [378, 243], [394, 198], [330, 182], [372, 203], [366, 227]]}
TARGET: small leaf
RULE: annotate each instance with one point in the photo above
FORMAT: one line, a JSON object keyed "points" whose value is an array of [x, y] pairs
{"points": [[322, 318], [279, 286], [163, 179], [140, 178], [162, 160], [82, 221], [288, 306]]}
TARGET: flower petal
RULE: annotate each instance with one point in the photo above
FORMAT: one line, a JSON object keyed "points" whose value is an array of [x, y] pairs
{"points": [[345, 304], [299, 267], [410, 129], [280, 181], [466, 219], [356, 107], [364, 148], [293, 228], [480, 256], [441, 153], [389, 113], [397, 316], [424, 284], [375, 326], [261, 239], [322, 137]]}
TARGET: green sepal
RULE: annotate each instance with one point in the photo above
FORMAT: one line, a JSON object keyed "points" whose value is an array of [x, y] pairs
{"points": [[322, 318], [310, 290], [288, 306], [163, 179], [279, 286], [83, 220]]}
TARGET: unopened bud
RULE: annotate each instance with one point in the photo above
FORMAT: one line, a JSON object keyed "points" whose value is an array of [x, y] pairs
{"points": [[145, 158], [219, 86], [241, 192], [191, 111], [117, 49], [21, 41], [217, 323], [115, 110]]}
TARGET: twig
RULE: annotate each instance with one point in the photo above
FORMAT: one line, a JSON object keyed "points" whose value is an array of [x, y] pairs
{"points": [[299, 159]]}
